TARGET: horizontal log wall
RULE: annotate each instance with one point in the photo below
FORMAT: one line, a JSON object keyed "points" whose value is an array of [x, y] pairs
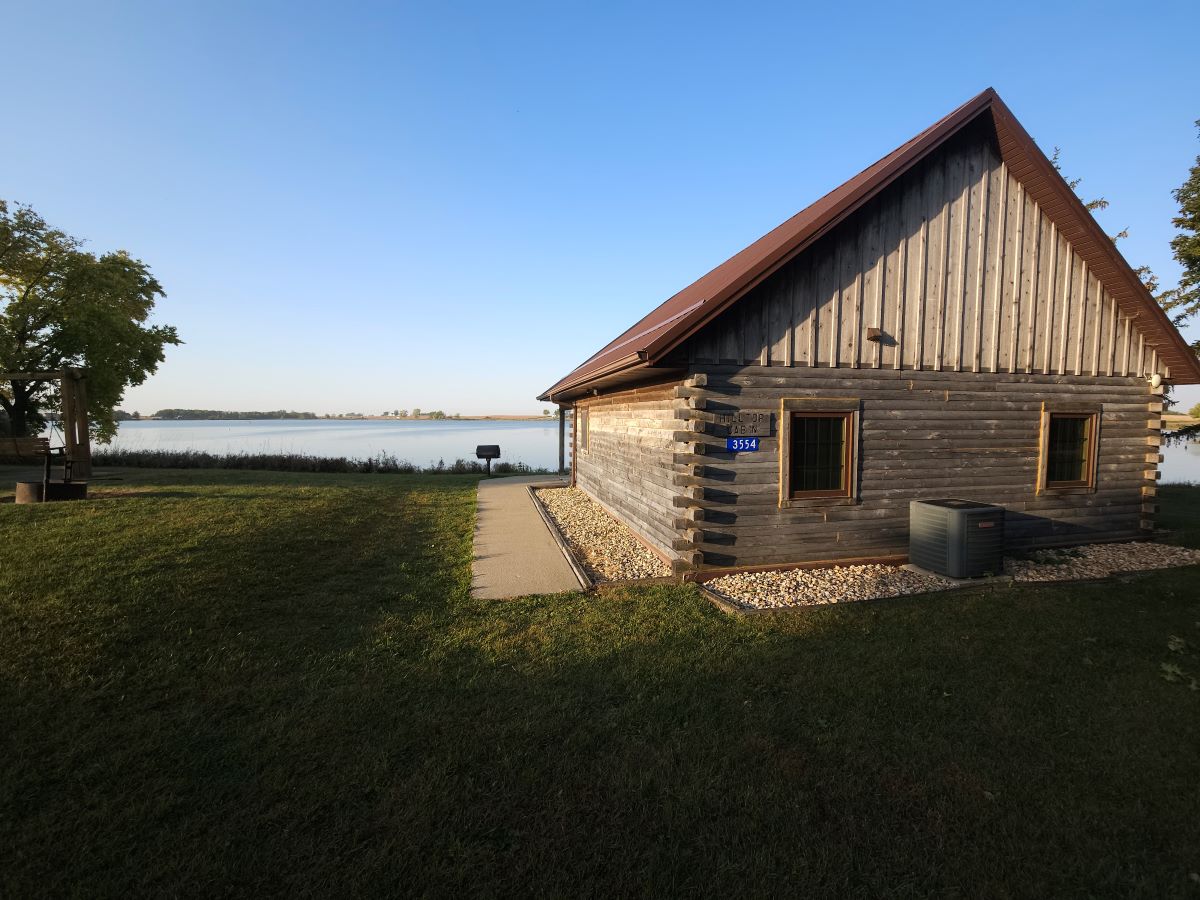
{"points": [[923, 435], [959, 270], [628, 462]]}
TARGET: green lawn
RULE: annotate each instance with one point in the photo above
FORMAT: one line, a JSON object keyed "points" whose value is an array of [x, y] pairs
{"points": [[216, 682]]}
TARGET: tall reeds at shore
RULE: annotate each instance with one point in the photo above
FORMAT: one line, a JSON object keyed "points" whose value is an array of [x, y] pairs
{"points": [[381, 464]]}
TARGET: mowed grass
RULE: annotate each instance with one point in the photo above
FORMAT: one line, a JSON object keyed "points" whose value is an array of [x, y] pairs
{"points": [[264, 683]]}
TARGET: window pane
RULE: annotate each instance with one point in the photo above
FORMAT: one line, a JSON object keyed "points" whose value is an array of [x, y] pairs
{"points": [[1067, 449], [818, 448]]}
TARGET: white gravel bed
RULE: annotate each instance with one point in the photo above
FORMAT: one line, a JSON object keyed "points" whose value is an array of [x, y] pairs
{"points": [[607, 549], [843, 584], [1098, 561], [817, 587]]}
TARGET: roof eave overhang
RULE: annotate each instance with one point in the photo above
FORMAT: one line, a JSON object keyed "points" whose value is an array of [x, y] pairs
{"points": [[569, 389]]}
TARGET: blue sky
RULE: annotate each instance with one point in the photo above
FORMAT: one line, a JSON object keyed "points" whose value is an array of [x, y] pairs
{"points": [[369, 206]]}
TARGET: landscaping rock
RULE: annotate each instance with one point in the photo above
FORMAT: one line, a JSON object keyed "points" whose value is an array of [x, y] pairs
{"points": [[842, 584], [606, 548], [817, 587], [1097, 561]]}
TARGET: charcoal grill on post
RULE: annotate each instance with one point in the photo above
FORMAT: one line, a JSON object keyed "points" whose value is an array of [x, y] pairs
{"points": [[488, 452]]}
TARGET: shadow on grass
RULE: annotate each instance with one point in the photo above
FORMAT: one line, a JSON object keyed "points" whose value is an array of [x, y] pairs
{"points": [[152, 494], [1179, 513], [310, 702]]}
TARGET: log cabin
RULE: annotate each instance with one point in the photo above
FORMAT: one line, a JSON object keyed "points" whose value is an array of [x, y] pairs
{"points": [[951, 322]]}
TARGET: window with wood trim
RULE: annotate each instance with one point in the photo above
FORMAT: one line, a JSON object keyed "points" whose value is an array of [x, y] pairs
{"points": [[819, 455], [1069, 448]]}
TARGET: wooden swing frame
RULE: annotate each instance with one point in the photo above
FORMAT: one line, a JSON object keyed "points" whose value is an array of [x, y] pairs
{"points": [[72, 385]]}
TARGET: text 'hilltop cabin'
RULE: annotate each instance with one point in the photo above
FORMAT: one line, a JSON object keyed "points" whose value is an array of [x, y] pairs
{"points": [[951, 322]]}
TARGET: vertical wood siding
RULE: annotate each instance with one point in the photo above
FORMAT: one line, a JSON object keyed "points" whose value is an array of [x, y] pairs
{"points": [[960, 269]]}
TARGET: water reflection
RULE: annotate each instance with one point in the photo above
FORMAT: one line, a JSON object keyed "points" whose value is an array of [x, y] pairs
{"points": [[1181, 456]]}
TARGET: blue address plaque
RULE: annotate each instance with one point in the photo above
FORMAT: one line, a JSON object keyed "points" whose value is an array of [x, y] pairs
{"points": [[741, 444]]}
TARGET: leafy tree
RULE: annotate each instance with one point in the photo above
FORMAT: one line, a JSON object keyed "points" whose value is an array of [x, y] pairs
{"points": [[1184, 301], [61, 307]]}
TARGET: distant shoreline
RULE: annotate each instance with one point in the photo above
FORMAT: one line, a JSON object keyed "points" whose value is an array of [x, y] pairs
{"points": [[352, 419], [1179, 419]]}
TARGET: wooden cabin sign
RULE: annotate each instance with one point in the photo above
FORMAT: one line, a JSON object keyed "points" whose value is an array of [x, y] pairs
{"points": [[748, 423], [758, 418]]}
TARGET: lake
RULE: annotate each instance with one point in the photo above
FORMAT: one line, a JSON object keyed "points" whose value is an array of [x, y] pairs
{"points": [[423, 443], [1181, 463]]}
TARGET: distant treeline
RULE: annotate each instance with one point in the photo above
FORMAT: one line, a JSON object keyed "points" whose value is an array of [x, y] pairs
{"points": [[194, 414]]}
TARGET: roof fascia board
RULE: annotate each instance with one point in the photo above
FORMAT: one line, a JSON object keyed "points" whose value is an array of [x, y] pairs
{"points": [[625, 362]]}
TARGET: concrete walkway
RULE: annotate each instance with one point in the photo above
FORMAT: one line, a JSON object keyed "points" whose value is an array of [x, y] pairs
{"points": [[515, 553]]}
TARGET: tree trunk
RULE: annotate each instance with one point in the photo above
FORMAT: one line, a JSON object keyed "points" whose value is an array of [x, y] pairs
{"points": [[7, 407], [20, 409]]}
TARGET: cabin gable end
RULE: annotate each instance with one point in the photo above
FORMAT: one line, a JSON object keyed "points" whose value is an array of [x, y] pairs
{"points": [[952, 267]]}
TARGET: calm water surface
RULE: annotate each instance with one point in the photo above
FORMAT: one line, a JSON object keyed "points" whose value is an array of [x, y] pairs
{"points": [[1181, 463], [534, 443], [423, 443]]}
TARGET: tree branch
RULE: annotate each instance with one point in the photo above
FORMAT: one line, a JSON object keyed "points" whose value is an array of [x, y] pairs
{"points": [[51, 259]]}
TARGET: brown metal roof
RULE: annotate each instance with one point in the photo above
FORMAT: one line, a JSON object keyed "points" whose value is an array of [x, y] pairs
{"points": [[699, 303]]}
